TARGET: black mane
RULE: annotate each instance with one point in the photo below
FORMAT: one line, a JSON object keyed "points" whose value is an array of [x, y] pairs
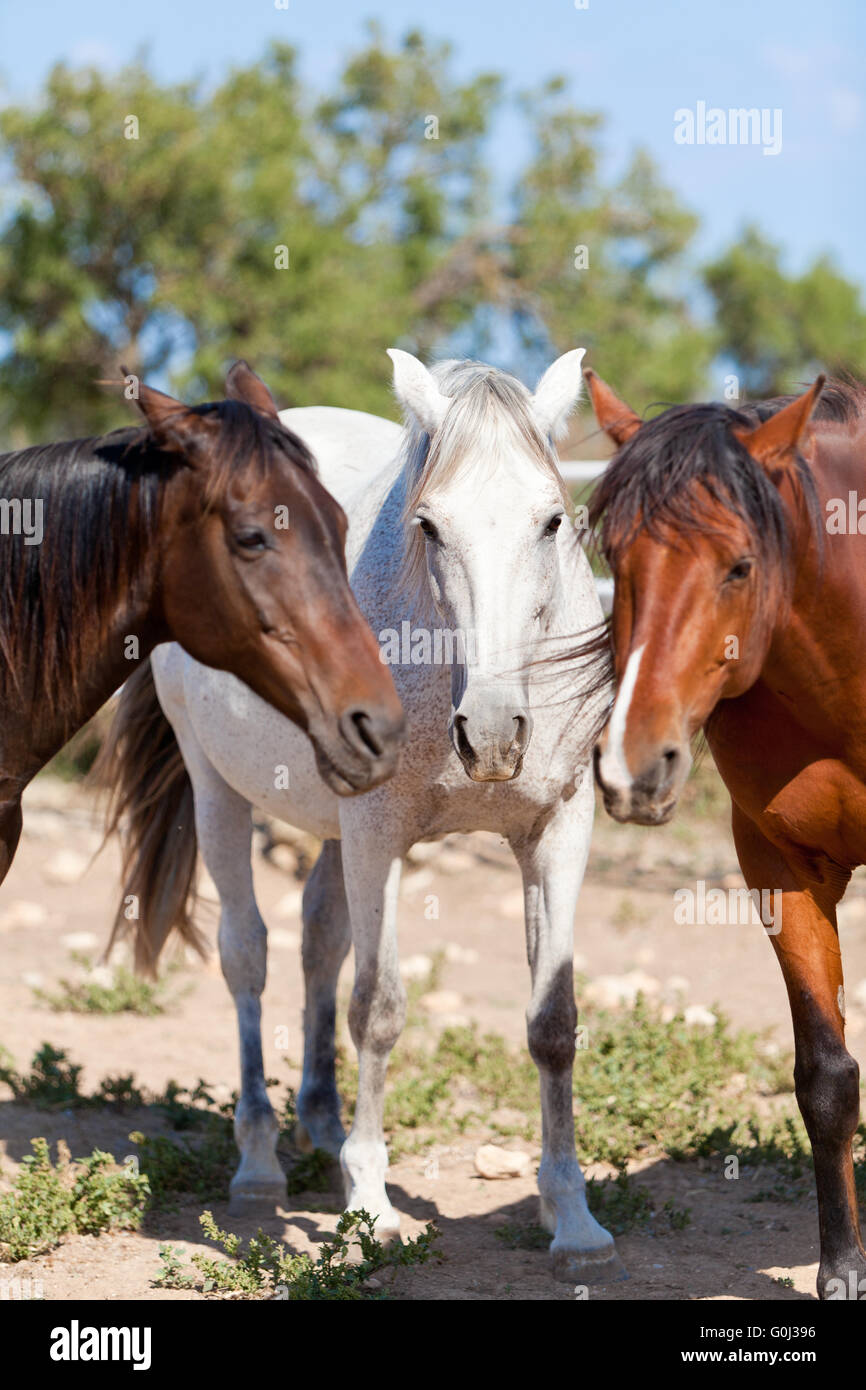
{"points": [[646, 485]]}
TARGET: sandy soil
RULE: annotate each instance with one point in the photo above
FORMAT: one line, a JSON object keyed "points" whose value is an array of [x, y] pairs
{"points": [[732, 1249]]}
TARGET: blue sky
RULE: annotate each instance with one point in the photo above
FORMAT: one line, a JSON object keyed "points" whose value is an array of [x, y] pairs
{"points": [[636, 61]]}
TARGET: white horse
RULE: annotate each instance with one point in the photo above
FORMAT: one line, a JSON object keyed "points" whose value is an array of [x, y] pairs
{"points": [[459, 538]]}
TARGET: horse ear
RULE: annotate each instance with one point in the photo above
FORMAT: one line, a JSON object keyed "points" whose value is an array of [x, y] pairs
{"points": [[774, 439], [416, 390], [557, 393], [615, 417], [242, 384], [172, 424]]}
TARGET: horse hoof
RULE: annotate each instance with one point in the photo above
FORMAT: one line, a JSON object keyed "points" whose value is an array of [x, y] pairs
{"points": [[602, 1266], [252, 1197], [388, 1235]]}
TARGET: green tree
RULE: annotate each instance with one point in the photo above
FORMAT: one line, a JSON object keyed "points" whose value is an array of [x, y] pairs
{"points": [[779, 329], [150, 219]]}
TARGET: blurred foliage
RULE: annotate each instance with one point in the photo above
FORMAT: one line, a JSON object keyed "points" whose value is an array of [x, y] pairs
{"points": [[781, 330], [161, 252], [162, 248]]}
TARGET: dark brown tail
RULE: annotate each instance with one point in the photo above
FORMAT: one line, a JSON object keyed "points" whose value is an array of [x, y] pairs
{"points": [[151, 808]]}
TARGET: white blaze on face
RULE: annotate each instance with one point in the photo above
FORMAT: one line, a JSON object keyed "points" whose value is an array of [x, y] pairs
{"points": [[614, 767]]}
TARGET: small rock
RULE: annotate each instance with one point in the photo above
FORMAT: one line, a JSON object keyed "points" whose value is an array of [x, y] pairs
{"points": [[697, 1016], [290, 903], [612, 991], [441, 1001], [101, 975], [493, 1162], [416, 967], [80, 941], [284, 857], [460, 955], [33, 979], [21, 913], [283, 940], [66, 866]]}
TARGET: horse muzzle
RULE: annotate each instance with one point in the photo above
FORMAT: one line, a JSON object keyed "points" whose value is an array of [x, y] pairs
{"points": [[491, 748]]}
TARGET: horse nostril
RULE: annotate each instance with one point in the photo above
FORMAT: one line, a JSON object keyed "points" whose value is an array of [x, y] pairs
{"points": [[359, 731], [596, 764], [464, 747], [670, 756], [524, 730]]}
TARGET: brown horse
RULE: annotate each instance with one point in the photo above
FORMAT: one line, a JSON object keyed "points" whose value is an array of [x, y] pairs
{"points": [[740, 608], [208, 527]]}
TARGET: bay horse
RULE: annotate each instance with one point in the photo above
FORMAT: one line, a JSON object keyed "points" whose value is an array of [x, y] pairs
{"points": [[172, 532], [460, 533], [739, 608]]}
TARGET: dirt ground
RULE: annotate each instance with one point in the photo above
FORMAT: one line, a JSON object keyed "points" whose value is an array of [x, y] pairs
{"points": [[53, 902]]}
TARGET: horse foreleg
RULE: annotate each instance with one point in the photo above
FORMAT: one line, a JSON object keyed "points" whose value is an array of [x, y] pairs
{"points": [[377, 1013], [552, 865], [826, 1076], [326, 942], [224, 828]]}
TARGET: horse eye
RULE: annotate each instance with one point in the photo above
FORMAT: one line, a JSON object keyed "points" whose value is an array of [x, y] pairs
{"points": [[553, 525], [741, 570], [428, 528], [251, 538]]}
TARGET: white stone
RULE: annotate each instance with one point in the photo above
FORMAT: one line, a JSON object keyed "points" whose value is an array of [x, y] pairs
{"points": [[491, 1161], [283, 940], [612, 991], [80, 941], [441, 1001], [416, 967], [66, 866], [697, 1016], [290, 903], [460, 955], [21, 913]]}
